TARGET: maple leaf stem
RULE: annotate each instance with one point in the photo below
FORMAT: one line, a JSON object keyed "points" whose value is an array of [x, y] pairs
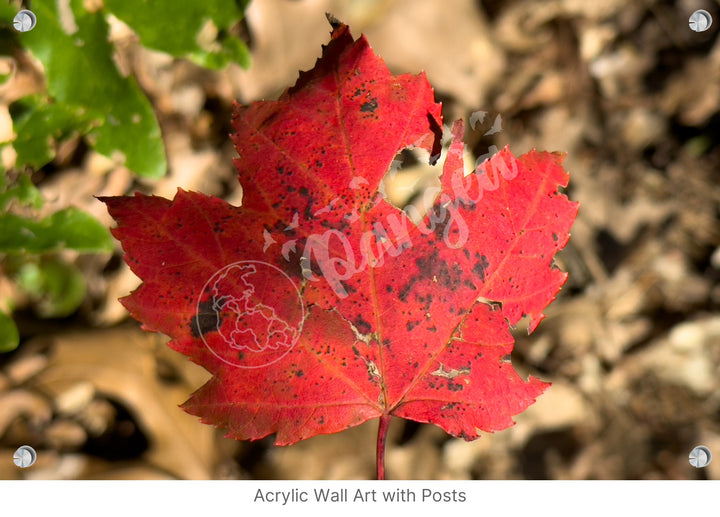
{"points": [[382, 436]]}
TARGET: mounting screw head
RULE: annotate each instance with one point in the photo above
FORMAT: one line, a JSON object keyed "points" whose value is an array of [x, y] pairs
{"points": [[700, 457], [24, 21], [700, 20], [25, 456]]}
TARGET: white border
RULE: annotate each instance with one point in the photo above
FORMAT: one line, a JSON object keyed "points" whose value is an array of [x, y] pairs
{"points": [[235, 498]]}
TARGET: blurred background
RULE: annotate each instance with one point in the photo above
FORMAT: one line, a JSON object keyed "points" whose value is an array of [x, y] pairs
{"points": [[631, 345]]}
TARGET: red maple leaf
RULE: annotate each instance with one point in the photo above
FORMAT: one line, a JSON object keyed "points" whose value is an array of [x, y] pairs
{"points": [[317, 305]]}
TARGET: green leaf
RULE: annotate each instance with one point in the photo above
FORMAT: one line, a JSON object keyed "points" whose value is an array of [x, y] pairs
{"points": [[9, 336], [233, 51], [69, 228], [7, 12], [77, 58], [181, 28], [4, 78], [57, 288], [25, 192], [40, 124]]}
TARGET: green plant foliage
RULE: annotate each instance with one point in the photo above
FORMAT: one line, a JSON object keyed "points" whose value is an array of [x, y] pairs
{"points": [[77, 58], [39, 124], [68, 228], [87, 96], [9, 337], [24, 192], [57, 289], [7, 12], [187, 28], [87, 93]]}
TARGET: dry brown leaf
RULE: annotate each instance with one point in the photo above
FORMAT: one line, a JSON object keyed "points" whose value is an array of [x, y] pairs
{"points": [[121, 364]]}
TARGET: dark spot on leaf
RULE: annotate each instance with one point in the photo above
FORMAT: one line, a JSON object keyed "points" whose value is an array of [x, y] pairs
{"points": [[438, 225], [299, 373], [369, 106], [454, 386], [362, 325], [425, 301], [309, 208], [348, 288], [428, 302], [468, 205], [411, 325], [206, 320], [432, 268], [405, 290], [481, 266]]}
